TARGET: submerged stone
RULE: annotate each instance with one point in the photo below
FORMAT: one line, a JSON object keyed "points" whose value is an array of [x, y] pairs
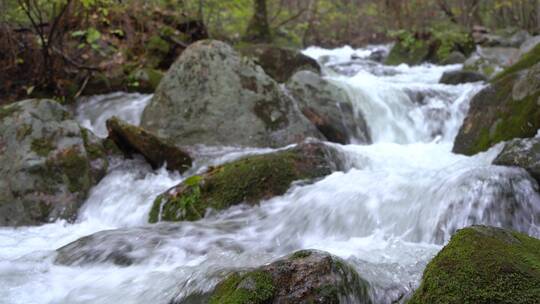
{"points": [[134, 140], [483, 265], [248, 180], [48, 163], [307, 276]]}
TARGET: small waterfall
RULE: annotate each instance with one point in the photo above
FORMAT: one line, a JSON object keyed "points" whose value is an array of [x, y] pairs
{"points": [[392, 209]]}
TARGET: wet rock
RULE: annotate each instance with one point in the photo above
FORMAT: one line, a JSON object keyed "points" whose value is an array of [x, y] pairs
{"points": [[248, 180], [401, 53], [483, 265], [524, 153], [278, 62], [213, 96], [509, 108], [455, 57], [121, 247], [306, 276], [134, 140], [48, 163], [529, 45], [329, 108], [459, 77], [491, 60]]}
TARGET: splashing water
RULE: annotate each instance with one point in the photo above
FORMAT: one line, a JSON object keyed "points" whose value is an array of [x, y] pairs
{"points": [[388, 214]]}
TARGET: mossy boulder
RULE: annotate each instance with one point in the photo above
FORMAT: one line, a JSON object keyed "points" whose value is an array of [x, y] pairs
{"points": [[491, 60], [213, 96], [329, 108], [279, 62], [459, 77], [509, 108], [524, 153], [455, 57], [135, 140], [483, 265], [306, 276], [412, 54], [48, 163], [248, 180]]}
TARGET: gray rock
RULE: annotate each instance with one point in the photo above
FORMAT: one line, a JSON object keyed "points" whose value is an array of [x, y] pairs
{"points": [[307, 276], [524, 153], [458, 77], [329, 108], [454, 58], [490, 60], [213, 96], [528, 45], [48, 163]]}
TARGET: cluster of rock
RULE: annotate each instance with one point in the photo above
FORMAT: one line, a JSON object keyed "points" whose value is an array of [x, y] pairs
{"points": [[214, 95]]}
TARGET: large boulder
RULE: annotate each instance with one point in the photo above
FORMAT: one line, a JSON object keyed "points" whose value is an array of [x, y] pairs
{"points": [[524, 153], [509, 108], [306, 276], [134, 140], [48, 163], [459, 77], [248, 180], [483, 265], [329, 108], [213, 96], [279, 62]]}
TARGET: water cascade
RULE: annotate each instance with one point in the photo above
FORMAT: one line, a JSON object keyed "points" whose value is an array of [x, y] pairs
{"points": [[388, 214]]}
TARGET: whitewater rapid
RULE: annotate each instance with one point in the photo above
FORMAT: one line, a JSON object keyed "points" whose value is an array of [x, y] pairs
{"points": [[388, 214]]}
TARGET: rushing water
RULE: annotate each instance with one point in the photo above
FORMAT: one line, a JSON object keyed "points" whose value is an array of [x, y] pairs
{"points": [[387, 215]]}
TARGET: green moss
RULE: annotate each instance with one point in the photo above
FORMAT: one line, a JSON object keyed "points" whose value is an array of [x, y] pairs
{"points": [[255, 287], [526, 61], [42, 146], [483, 265], [302, 254], [71, 168], [155, 211], [23, 131], [247, 180], [8, 110], [520, 120], [413, 54]]}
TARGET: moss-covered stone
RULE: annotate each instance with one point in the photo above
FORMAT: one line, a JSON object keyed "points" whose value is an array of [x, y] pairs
{"points": [[525, 62], [252, 287], [411, 55], [483, 265], [459, 77], [131, 139], [279, 62], [47, 162], [307, 276], [509, 108], [248, 180]]}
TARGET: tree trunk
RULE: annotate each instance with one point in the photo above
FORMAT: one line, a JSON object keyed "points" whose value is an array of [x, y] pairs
{"points": [[258, 29]]}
